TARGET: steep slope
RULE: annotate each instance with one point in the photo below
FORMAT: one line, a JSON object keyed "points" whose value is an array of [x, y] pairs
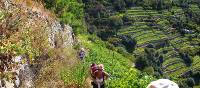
{"points": [[178, 46], [121, 70], [31, 38], [117, 65], [163, 35], [36, 48]]}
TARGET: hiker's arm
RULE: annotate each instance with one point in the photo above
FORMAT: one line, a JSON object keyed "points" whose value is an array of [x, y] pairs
{"points": [[91, 75], [90, 72], [106, 75]]}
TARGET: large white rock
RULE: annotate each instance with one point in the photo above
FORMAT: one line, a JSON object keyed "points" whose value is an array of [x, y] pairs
{"points": [[162, 83]]}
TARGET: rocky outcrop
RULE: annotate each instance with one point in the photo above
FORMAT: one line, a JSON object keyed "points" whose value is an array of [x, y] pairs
{"points": [[30, 14], [60, 33], [26, 16]]}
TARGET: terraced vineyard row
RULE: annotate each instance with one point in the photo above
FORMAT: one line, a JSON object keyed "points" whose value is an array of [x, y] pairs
{"points": [[146, 30]]}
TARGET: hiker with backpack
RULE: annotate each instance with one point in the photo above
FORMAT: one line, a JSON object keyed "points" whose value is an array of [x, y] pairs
{"points": [[98, 75], [82, 53]]}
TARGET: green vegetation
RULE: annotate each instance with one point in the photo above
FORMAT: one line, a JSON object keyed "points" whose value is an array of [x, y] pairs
{"points": [[118, 66], [158, 35], [21, 37], [69, 12], [24, 41], [169, 27], [138, 41]]}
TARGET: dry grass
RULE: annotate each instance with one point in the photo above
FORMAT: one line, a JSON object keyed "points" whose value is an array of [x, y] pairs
{"points": [[34, 37], [50, 73]]}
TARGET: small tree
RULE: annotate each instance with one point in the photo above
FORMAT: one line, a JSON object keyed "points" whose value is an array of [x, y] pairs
{"points": [[119, 4], [150, 58], [149, 70], [149, 4], [130, 3], [167, 4], [116, 22], [129, 43], [190, 82], [141, 62]]}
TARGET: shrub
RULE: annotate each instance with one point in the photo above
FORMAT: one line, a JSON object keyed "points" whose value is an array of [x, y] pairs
{"points": [[129, 43], [114, 41], [68, 11], [130, 3], [149, 58], [141, 62], [116, 22], [149, 70], [119, 4], [190, 82], [92, 29], [122, 51]]}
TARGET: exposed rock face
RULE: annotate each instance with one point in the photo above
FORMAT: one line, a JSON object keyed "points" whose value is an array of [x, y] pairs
{"points": [[21, 73], [49, 22], [31, 16], [24, 75], [64, 33]]}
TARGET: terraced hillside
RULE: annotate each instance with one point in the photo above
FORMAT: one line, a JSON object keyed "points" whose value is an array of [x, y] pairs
{"points": [[180, 48], [144, 28]]}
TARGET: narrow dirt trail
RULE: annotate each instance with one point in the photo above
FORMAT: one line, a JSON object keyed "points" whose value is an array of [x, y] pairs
{"points": [[88, 82]]}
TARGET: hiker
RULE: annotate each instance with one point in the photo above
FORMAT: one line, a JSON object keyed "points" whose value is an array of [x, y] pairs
{"points": [[93, 67], [162, 83], [82, 53], [98, 75]]}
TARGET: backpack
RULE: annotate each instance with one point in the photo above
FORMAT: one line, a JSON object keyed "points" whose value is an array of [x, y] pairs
{"points": [[96, 70], [81, 54], [93, 68], [99, 73]]}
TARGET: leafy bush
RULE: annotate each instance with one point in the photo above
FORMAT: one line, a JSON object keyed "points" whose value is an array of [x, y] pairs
{"points": [[149, 70], [68, 11], [116, 22], [157, 4], [130, 3], [150, 58], [129, 43], [114, 41], [119, 4], [25, 45], [190, 82]]}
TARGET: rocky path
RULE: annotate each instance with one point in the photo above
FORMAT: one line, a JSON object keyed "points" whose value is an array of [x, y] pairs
{"points": [[88, 82]]}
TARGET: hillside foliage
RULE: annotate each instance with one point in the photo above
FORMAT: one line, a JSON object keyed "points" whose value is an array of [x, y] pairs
{"points": [[161, 34], [138, 41], [68, 11]]}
